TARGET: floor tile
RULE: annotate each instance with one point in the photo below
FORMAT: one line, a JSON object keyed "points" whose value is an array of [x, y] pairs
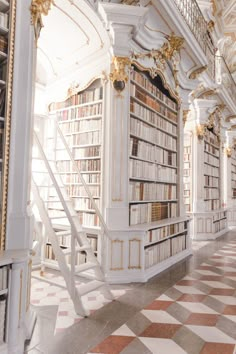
{"points": [[228, 300], [162, 346], [160, 330], [230, 310], [196, 307], [217, 348], [159, 316], [211, 334], [202, 319], [159, 305], [188, 341], [135, 347], [124, 331], [192, 298], [112, 345], [138, 323]]}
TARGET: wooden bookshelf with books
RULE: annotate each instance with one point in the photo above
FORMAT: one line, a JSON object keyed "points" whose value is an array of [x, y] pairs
{"points": [[212, 193], [233, 172], [187, 175], [80, 119], [153, 180]]}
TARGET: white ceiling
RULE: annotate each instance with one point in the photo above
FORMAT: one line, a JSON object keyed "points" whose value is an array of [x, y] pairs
{"points": [[72, 32]]}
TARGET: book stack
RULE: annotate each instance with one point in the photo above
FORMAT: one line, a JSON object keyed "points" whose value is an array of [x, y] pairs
{"points": [[3, 44]]}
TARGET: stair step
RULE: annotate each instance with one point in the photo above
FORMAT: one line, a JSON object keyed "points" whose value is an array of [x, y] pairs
{"points": [[63, 233], [88, 287], [85, 266]]}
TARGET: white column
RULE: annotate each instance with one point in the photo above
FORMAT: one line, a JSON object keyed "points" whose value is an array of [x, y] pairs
{"points": [[18, 220]]}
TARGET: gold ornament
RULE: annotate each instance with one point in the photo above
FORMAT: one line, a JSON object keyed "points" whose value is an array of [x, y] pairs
{"points": [[195, 73], [119, 75], [37, 9], [200, 131]]}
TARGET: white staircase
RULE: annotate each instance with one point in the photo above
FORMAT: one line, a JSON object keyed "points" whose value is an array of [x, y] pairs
{"points": [[64, 222]]}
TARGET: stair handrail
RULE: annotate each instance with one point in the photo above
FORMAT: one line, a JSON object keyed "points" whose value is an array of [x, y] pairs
{"points": [[105, 228]]}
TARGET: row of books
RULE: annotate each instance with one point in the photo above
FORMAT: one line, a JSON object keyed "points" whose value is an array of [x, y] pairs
{"points": [[150, 102], [83, 165], [145, 82], [2, 102], [3, 308], [73, 178], [151, 171], [82, 97], [211, 160], [149, 212], [210, 181], [205, 225], [84, 203], [152, 153], [164, 250], [79, 153], [211, 171], [211, 138], [4, 20], [152, 135], [3, 278], [3, 44], [213, 204], [88, 138], [211, 193], [65, 242], [80, 258], [88, 219], [78, 190], [139, 191], [164, 231], [234, 192], [152, 117], [211, 149], [80, 112], [80, 126]]}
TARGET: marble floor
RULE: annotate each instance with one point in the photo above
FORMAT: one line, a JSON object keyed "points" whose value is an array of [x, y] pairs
{"points": [[189, 308]]}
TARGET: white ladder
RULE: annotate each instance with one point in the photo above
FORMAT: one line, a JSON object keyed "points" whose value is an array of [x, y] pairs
{"points": [[72, 229]]}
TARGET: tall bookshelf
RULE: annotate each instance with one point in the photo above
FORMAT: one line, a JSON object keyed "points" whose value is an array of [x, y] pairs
{"points": [[212, 193], [233, 173], [153, 181], [80, 118], [209, 217], [187, 175]]}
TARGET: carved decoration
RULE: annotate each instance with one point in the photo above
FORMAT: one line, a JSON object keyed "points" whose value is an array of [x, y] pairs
{"points": [[119, 75], [200, 131], [185, 115], [228, 119], [208, 93], [130, 2], [168, 51], [195, 73], [37, 9], [210, 25], [73, 89], [228, 151]]}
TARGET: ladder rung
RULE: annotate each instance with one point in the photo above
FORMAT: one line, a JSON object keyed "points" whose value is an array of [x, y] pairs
{"points": [[85, 266], [63, 233], [88, 287], [77, 249]]}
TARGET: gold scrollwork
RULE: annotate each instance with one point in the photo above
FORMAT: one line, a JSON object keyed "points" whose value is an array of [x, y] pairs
{"points": [[195, 73], [119, 72], [210, 25], [37, 9], [228, 151], [185, 115], [200, 131]]}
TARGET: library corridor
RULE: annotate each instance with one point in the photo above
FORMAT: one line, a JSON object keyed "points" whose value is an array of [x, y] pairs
{"points": [[188, 309]]}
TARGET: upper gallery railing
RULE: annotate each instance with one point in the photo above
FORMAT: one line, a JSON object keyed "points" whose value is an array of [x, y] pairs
{"points": [[224, 77], [193, 16]]}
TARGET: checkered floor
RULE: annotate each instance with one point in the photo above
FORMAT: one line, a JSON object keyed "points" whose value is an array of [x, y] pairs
{"points": [[196, 316], [45, 294]]}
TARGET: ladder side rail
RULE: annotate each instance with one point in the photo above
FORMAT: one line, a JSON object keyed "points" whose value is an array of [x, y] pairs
{"points": [[83, 182], [58, 190], [49, 230]]}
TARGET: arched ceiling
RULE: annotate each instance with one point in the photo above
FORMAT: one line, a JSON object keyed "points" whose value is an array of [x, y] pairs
{"points": [[72, 33]]}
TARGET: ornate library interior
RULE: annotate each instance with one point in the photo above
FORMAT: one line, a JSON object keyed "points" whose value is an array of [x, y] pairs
{"points": [[118, 176]]}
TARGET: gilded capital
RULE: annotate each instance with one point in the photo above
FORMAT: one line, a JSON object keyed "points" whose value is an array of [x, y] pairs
{"points": [[37, 9], [200, 131], [119, 75], [185, 115], [228, 151]]}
